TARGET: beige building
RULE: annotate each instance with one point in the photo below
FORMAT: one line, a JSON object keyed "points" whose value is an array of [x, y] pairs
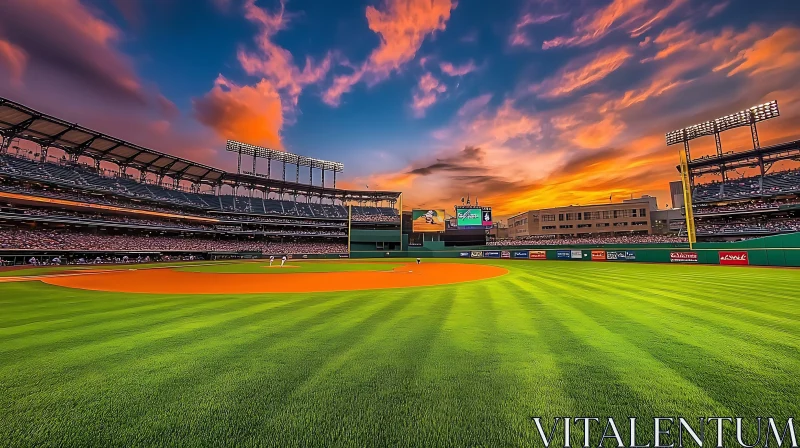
{"points": [[628, 216]]}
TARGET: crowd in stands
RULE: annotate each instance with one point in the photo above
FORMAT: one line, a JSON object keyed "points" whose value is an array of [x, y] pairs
{"points": [[79, 216], [588, 240], [750, 225], [770, 184], [745, 206], [375, 218], [87, 218], [69, 240]]}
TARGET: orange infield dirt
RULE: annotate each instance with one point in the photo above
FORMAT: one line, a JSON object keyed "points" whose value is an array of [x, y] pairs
{"points": [[168, 281]]}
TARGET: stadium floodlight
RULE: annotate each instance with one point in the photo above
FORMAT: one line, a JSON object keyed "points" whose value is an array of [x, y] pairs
{"points": [[747, 117], [282, 156]]}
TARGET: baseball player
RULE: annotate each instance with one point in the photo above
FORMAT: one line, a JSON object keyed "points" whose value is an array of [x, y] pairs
{"points": [[271, 259], [419, 261], [283, 260]]}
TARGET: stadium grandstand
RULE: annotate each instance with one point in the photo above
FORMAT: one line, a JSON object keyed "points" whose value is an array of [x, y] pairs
{"points": [[66, 187], [753, 193]]}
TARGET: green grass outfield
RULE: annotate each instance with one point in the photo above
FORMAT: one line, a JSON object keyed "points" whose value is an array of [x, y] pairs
{"points": [[462, 365]]}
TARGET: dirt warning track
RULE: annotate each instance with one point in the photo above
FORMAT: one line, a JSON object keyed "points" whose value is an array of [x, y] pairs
{"points": [[168, 281]]}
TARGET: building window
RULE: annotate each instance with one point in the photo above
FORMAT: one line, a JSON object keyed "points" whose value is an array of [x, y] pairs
{"points": [[622, 213], [642, 212], [639, 223], [567, 226], [602, 224], [560, 216], [549, 218], [548, 227], [607, 214], [583, 226], [620, 224]]}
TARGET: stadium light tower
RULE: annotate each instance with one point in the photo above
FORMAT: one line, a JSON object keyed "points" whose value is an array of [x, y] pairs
{"points": [[285, 157], [747, 117]]}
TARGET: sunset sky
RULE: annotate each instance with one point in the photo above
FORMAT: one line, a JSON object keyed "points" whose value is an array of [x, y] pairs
{"points": [[522, 103]]}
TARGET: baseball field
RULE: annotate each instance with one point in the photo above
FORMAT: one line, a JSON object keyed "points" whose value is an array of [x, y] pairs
{"points": [[387, 353]]}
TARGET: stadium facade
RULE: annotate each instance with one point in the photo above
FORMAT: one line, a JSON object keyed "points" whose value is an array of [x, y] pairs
{"points": [[629, 217]]}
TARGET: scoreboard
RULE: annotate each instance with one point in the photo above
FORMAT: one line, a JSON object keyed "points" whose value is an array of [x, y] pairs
{"points": [[472, 218]]}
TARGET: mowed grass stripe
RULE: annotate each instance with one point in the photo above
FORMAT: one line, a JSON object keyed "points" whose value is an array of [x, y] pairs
{"points": [[185, 328], [465, 364], [698, 301], [634, 366], [244, 374], [540, 379], [373, 372], [169, 370], [668, 302], [731, 375]]}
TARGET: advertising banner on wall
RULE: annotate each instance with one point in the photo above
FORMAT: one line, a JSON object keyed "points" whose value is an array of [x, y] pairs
{"points": [[463, 254], [542, 255], [427, 220], [344, 255], [520, 254], [505, 254], [576, 254], [620, 255], [598, 255], [563, 254], [733, 258], [491, 254], [476, 254], [683, 257]]}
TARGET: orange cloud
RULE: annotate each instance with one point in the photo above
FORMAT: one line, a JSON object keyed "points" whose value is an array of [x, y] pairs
{"points": [[778, 51], [274, 62], [247, 113], [14, 59], [659, 85], [453, 70], [634, 16], [600, 134], [582, 73], [507, 123], [402, 26], [427, 92]]}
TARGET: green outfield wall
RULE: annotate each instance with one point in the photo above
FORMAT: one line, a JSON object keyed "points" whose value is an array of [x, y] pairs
{"points": [[779, 250]]}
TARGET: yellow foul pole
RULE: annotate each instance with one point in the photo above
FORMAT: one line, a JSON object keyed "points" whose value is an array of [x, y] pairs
{"points": [[349, 227], [400, 212], [687, 199]]}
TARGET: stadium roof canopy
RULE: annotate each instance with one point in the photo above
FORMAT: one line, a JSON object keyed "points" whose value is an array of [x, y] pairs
{"points": [[744, 159], [19, 121]]}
